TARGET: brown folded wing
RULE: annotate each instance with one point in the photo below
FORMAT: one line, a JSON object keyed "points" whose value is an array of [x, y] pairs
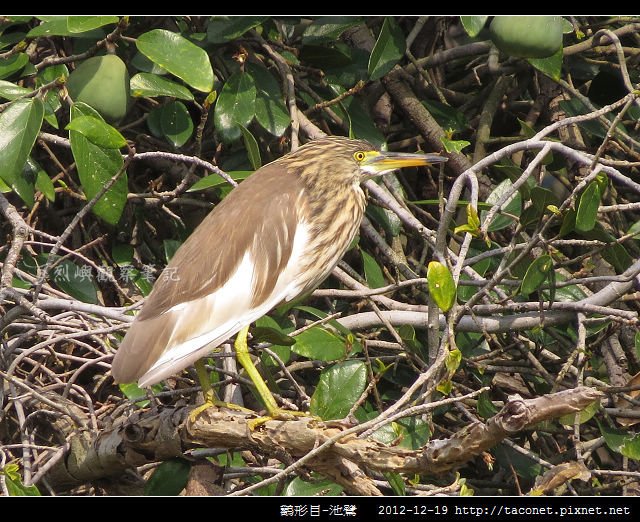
{"points": [[227, 273]]}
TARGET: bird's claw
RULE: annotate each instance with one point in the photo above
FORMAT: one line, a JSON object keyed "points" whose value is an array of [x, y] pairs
{"points": [[278, 414], [211, 401]]}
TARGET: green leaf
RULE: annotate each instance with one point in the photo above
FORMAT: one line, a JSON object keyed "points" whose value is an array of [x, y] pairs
{"points": [[388, 50], [53, 26], [387, 434], [14, 484], [171, 122], [536, 274], [441, 285], [268, 329], [97, 132], [33, 176], [179, 56], [223, 29], [168, 479], [513, 207], [613, 438], [327, 29], [445, 387], [453, 360], [96, 166], [150, 85], [396, 482], [142, 63], [448, 117], [75, 280], [623, 442], [465, 491], [551, 66], [587, 213], [467, 292], [266, 334], [583, 415], [466, 228], [552, 287], [170, 247], [132, 392], [82, 24], [524, 465], [637, 344], [319, 344], [144, 282], [19, 127], [122, 254], [603, 182], [565, 293], [568, 223], [472, 216], [574, 107], [236, 106], [324, 56], [271, 112], [526, 130], [455, 146], [614, 253], [372, 271], [9, 39], [387, 220], [542, 198], [362, 125], [413, 432], [12, 65], [319, 487], [339, 387], [18, 489], [485, 406], [473, 222], [345, 332], [253, 151], [45, 185], [349, 75], [473, 24], [408, 335], [11, 91], [634, 230], [214, 180]]}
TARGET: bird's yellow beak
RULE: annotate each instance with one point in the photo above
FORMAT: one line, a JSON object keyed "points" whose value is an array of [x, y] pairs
{"points": [[378, 163]]}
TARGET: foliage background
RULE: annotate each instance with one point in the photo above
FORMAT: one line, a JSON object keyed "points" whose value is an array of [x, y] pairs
{"points": [[95, 203]]}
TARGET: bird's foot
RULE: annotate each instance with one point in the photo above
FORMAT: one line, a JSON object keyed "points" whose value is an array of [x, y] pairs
{"points": [[278, 414], [211, 401]]}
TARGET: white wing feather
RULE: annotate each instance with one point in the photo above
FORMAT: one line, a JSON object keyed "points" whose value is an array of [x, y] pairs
{"points": [[228, 310]]}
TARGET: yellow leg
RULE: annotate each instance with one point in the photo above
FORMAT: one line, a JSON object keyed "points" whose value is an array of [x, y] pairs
{"points": [[210, 397], [274, 411], [203, 377]]}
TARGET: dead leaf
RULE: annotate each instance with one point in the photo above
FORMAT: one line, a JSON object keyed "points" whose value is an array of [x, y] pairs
{"points": [[558, 476]]}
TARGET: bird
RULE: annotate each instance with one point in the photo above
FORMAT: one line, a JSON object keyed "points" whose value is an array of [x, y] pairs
{"points": [[272, 239]]}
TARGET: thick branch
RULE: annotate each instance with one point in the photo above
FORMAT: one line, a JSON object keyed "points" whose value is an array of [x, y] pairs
{"points": [[151, 436]]}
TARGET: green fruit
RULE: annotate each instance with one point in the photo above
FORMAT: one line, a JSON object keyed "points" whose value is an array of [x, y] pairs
{"points": [[527, 36], [103, 83]]}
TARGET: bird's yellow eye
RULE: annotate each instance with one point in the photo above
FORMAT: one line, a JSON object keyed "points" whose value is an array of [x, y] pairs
{"points": [[359, 156]]}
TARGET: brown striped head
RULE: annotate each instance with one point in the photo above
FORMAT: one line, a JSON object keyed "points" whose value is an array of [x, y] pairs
{"points": [[334, 163]]}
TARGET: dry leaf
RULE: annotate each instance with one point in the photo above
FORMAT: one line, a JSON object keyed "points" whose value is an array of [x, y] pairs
{"points": [[558, 476]]}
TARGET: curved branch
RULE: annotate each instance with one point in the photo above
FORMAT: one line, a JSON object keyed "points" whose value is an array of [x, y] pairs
{"points": [[151, 436]]}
